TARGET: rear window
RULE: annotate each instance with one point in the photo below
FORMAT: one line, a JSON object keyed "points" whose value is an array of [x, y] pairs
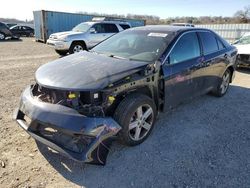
{"points": [[110, 28], [2, 25], [209, 42], [220, 44], [124, 26]]}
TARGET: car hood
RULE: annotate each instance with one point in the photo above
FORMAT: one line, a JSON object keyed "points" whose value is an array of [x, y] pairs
{"points": [[64, 34], [243, 48], [85, 71]]}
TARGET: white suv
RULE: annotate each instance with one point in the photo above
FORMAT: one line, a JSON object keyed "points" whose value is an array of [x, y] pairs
{"points": [[85, 35]]}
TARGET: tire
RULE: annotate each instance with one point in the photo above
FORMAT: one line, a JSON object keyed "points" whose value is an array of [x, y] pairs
{"points": [[77, 47], [2, 36], [135, 128], [223, 85], [61, 53]]}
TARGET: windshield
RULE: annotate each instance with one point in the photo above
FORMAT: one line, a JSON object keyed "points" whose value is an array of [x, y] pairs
{"points": [[244, 40], [82, 27], [140, 45]]}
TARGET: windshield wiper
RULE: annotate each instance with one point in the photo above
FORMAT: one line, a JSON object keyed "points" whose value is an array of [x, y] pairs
{"points": [[117, 57]]}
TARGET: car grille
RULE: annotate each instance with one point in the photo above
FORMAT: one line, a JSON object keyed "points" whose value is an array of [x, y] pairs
{"points": [[244, 57]]}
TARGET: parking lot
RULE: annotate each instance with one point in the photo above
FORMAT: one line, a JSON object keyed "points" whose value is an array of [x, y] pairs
{"points": [[203, 143]]}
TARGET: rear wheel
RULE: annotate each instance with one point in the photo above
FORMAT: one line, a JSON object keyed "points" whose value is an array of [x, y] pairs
{"points": [[136, 114], [224, 84], [61, 53], [77, 47], [2, 36]]}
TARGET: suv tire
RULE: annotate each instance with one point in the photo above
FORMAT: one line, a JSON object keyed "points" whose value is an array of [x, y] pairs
{"points": [[77, 47]]}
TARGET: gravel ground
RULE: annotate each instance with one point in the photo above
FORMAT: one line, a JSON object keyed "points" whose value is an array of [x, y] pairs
{"points": [[204, 143]]}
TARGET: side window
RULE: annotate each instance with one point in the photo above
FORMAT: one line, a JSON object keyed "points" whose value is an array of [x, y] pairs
{"points": [[220, 44], [186, 48], [110, 28], [209, 42], [124, 26], [99, 28]]}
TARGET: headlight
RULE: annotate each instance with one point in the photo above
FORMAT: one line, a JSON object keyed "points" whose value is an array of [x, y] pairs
{"points": [[64, 39]]}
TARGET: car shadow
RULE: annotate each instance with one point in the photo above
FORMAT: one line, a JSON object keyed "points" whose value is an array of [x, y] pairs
{"points": [[12, 40], [191, 145]]}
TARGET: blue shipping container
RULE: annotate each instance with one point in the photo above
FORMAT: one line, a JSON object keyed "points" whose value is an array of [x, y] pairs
{"points": [[48, 22]]}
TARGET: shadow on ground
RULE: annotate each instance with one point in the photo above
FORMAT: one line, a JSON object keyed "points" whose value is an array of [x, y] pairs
{"points": [[200, 144]]}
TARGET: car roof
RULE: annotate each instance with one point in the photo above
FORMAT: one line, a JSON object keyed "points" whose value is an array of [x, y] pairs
{"points": [[168, 28], [112, 22]]}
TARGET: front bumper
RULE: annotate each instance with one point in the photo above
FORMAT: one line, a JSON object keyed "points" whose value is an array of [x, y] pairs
{"points": [[59, 45], [63, 129], [243, 60]]}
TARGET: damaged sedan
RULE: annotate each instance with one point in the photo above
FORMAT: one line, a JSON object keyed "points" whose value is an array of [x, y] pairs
{"points": [[81, 102], [243, 47]]}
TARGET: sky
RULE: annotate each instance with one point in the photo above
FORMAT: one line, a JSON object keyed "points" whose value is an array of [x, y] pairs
{"points": [[22, 9]]}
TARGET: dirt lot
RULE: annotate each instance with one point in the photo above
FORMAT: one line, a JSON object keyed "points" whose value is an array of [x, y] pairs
{"points": [[205, 143]]}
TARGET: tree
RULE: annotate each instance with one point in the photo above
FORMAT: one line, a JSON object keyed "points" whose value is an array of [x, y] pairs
{"points": [[243, 15]]}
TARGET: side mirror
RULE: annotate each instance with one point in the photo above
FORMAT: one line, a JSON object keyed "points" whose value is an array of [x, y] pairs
{"points": [[92, 30]]}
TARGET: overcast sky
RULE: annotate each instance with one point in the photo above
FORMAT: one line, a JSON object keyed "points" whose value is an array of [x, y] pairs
{"points": [[22, 9]]}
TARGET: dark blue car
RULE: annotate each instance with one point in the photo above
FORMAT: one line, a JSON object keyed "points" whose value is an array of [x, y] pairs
{"points": [[79, 103]]}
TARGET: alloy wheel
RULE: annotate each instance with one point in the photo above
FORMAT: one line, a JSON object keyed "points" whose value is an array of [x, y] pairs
{"points": [[141, 122], [77, 48], [225, 82], [2, 36]]}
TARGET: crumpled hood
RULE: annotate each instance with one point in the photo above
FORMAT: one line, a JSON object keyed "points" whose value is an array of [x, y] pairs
{"points": [[85, 71], [243, 49]]}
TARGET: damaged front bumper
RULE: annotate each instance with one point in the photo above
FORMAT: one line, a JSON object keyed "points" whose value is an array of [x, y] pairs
{"points": [[63, 129], [243, 60]]}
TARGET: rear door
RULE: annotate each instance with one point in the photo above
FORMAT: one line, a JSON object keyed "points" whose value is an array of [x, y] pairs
{"points": [[110, 29], [214, 53], [182, 70]]}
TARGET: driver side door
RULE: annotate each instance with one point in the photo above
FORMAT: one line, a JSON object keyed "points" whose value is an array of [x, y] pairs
{"points": [[182, 71]]}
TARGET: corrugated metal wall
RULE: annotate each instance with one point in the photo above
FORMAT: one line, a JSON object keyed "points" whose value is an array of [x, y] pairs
{"points": [[48, 22], [230, 32]]}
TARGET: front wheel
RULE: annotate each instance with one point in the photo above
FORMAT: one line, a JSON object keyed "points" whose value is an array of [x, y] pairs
{"points": [[77, 47], [2, 36], [224, 84], [136, 115]]}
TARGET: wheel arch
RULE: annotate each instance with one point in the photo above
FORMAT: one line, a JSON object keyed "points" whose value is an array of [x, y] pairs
{"points": [[79, 41], [231, 69]]}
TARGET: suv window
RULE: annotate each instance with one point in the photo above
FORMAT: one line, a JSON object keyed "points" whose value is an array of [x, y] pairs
{"points": [[186, 48], [209, 42], [124, 26], [110, 28], [99, 28]]}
